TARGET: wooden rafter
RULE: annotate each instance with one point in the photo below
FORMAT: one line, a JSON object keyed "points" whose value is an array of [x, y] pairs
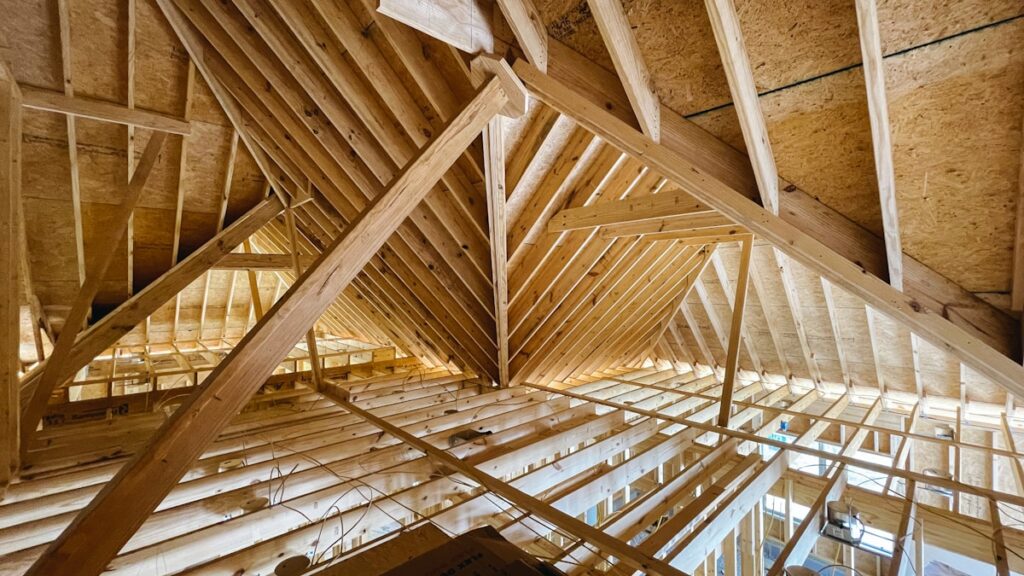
{"points": [[878, 113], [494, 167], [528, 26], [629, 63], [729, 36]]}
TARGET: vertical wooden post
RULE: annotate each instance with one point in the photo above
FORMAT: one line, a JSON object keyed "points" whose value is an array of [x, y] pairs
{"points": [[10, 204], [314, 354], [735, 331], [494, 167]]}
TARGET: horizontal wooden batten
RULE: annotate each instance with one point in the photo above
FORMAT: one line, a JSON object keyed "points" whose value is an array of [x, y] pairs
{"points": [[267, 262], [51, 101], [629, 210]]}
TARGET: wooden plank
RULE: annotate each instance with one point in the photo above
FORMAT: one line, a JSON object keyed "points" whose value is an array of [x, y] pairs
{"points": [[732, 360], [668, 204], [799, 546], [82, 107], [629, 63], [679, 227], [244, 261], [254, 285], [99, 531], [494, 170], [102, 256], [10, 245], [729, 36], [465, 24], [904, 308], [528, 26], [878, 114]]}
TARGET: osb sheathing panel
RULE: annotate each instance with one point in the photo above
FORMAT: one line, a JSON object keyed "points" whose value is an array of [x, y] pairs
{"points": [[161, 64], [956, 109]]}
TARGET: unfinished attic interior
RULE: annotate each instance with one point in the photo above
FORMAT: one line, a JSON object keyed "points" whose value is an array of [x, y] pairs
{"points": [[556, 287]]}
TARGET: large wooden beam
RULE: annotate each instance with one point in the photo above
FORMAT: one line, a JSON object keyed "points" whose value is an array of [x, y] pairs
{"points": [[629, 63], [10, 243], [99, 531], [51, 101], [494, 173], [799, 245], [102, 254], [732, 360]]}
